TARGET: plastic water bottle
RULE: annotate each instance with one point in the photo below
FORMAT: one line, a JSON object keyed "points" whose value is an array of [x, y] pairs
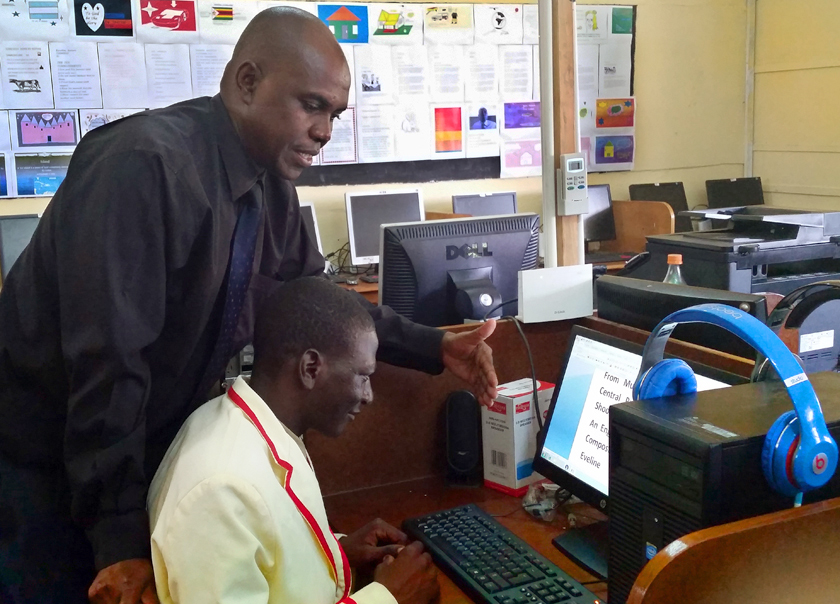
{"points": [[674, 274]]}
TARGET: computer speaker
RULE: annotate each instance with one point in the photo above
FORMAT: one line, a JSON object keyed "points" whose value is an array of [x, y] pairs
{"points": [[463, 439]]}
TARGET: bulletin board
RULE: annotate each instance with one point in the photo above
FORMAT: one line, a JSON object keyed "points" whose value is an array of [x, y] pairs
{"points": [[439, 92]]}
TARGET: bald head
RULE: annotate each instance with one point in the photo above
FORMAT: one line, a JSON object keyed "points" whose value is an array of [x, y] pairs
{"points": [[286, 82]]}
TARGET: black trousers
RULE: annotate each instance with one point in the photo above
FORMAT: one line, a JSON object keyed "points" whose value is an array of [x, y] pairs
{"points": [[45, 558]]}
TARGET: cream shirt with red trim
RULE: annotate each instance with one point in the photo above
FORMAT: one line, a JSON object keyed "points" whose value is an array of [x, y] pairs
{"points": [[237, 515]]}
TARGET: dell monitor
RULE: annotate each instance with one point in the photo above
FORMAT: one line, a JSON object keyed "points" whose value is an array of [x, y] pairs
{"points": [[15, 234], [444, 272], [307, 214], [367, 211], [485, 204], [599, 223], [672, 193], [734, 192], [598, 371]]}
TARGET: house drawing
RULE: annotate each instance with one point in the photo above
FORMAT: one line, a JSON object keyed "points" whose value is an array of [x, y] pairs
{"points": [[344, 24], [392, 24], [56, 130]]}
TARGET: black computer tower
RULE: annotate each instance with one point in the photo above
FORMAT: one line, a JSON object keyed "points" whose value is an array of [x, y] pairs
{"points": [[684, 463]]}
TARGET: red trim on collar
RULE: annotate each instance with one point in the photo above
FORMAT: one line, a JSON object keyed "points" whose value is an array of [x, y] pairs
{"points": [[307, 515]]}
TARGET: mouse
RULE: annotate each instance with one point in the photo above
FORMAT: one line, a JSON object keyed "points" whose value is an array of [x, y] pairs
{"points": [[352, 281]]}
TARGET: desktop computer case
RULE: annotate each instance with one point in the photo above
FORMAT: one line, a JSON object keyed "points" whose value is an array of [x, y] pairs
{"points": [[681, 464]]}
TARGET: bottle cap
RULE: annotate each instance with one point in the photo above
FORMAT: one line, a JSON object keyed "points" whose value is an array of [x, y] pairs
{"points": [[674, 258]]}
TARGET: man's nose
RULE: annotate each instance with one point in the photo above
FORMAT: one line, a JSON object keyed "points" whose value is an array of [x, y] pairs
{"points": [[322, 131]]}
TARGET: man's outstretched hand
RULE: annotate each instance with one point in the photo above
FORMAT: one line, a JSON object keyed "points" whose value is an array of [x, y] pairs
{"points": [[468, 356], [126, 582], [368, 546]]}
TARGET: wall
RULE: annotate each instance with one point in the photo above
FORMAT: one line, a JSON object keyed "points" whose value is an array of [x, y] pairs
{"points": [[689, 79], [797, 84]]}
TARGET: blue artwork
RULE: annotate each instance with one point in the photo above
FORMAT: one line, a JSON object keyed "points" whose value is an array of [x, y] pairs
{"points": [[349, 24]]}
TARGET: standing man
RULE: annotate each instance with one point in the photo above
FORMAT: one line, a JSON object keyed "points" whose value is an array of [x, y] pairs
{"points": [[138, 286]]}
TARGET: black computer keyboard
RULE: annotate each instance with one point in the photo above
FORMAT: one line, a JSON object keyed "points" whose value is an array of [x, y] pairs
{"points": [[490, 563]]}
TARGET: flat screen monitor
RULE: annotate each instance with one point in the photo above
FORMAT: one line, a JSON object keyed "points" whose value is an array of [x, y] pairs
{"points": [[15, 234], [672, 193], [367, 211], [307, 214], [597, 372], [443, 272], [485, 204], [599, 222], [734, 192]]}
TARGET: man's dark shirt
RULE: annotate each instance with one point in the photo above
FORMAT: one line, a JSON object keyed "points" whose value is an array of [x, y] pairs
{"points": [[109, 316]]}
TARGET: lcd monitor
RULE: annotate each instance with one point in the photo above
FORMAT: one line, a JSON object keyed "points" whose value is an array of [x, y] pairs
{"points": [[599, 222], [597, 372], [15, 234], [367, 211], [307, 214], [485, 204], [672, 193], [444, 272], [734, 192]]}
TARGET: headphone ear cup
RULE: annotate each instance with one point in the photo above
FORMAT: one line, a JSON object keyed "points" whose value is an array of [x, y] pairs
{"points": [[781, 438], [667, 378]]}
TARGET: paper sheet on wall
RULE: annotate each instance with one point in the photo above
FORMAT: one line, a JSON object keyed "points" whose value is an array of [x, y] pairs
{"points": [[207, 64], [224, 22], [351, 65], [168, 74], [498, 24], [530, 24], [396, 24], [7, 183], [482, 130], [535, 62], [521, 120], [5, 132], [446, 73], [374, 76], [411, 70], [448, 24], [25, 69], [75, 75], [46, 21], [615, 64], [40, 174], [342, 146], [482, 74], [375, 125], [102, 20], [166, 21], [614, 152], [347, 22], [587, 69], [615, 113], [91, 119], [521, 158], [413, 131], [517, 72], [42, 131], [592, 23], [122, 68], [449, 125]]}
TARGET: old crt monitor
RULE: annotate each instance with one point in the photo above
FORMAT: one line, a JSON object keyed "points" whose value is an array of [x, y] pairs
{"points": [[443, 272], [672, 193], [599, 223], [367, 211], [307, 214], [598, 371], [15, 234], [485, 204], [734, 192]]}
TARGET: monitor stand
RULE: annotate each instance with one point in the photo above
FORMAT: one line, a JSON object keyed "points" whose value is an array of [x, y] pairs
{"points": [[587, 546]]}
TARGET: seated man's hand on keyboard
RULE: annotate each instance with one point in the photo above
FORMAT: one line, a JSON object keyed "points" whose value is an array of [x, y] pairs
{"points": [[368, 546], [411, 577]]}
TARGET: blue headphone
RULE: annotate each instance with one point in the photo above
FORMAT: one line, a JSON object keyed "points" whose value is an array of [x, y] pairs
{"points": [[799, 454]]}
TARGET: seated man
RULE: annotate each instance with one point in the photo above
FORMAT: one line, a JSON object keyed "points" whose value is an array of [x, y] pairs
{"points": [[235, 508]]}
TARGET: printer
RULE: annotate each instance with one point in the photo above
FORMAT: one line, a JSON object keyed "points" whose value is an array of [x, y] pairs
{"points": [[761, 249]]}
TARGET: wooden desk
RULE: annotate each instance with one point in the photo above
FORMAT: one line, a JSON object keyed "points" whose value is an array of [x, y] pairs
{"points": [[394, 503], [370, 291]]}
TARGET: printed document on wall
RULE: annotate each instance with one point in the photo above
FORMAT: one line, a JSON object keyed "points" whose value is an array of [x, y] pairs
{"points": [[44, 131], [40, 174], [530, 24], [517, 79], [91, 119], [499, 24], [168, 74], [342, 146], [5, 132], [448, 24], [376, 133], [102, 20], [482, 130], [123, 71], [25, 69], [482, 76], [374, 75], [413, 131], [7, 171], [521, 158], [224, 22], [351, 65], [396, 24], [448, 124], [207, 64], [446, 69], [411, 71], [615, 66], [592, 23], [167, 21], [75, 75], [43, 20]]}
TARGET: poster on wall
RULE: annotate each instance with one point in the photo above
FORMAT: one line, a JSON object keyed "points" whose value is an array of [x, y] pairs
{"points": [[521, 158], [448, 124], [167, 21], [40, 174], [224, 22], [5, 171], [396, 24], [25, 72], [44, 130], [348, 23], [614, 152], [102, 20], [91, 119], [498, 24], [449, 24], [42, 20]]}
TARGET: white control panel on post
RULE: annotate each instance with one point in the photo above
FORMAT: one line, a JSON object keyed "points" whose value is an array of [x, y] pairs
{"points": [[572, 194]]}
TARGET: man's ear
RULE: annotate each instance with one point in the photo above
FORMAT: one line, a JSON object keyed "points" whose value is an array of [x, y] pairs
{"points": [[248, 76], [310, 368]]}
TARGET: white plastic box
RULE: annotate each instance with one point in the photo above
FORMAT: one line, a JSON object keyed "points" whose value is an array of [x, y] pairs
{"points": [[509, 435]]}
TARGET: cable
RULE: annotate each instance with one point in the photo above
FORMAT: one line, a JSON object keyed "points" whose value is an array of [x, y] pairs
{"points": [[533, 370], [498, 306]]}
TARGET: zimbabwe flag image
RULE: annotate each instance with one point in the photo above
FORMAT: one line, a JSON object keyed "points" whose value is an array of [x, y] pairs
{"points": [[222, 12]]}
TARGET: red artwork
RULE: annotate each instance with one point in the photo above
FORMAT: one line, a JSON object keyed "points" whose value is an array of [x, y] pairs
{"points": [[176, 15]]}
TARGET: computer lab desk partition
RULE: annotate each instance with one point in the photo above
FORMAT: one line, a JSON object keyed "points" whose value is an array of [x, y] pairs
{"points": [[390, 461]]}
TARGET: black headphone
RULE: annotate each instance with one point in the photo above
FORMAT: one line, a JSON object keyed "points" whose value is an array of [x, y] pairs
{"points": [[791, 312]]}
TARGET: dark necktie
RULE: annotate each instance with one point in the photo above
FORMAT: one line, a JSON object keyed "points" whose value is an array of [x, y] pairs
{"points": [[241, 262]]}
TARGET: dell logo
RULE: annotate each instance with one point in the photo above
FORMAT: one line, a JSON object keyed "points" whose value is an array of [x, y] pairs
{"points": [[468, 250]]}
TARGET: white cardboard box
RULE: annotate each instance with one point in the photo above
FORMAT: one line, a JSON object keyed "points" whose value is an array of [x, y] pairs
{"points": [[509, 435]]}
